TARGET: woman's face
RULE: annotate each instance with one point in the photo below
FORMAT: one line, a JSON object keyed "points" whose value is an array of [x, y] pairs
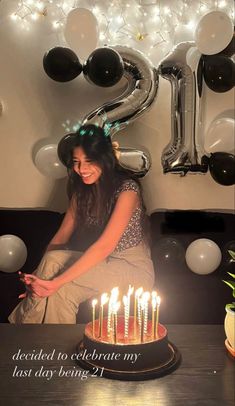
{"points": [[89, 171]]}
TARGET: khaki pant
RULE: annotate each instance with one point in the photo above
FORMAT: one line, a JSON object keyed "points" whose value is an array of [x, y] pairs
{"points": [[132, 266]]}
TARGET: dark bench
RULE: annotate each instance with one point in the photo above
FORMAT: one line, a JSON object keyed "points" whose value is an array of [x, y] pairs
{"points": [[186, 297]]}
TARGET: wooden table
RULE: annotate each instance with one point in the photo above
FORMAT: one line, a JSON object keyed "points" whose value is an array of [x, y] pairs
{"points": [[205, 377]]}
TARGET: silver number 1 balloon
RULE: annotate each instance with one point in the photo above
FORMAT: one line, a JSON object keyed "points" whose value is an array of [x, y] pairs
{"points": [[185, 152]]}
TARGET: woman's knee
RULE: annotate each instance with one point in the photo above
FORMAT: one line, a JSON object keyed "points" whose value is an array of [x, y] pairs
{"points": [[49, 266], [52, 256]]}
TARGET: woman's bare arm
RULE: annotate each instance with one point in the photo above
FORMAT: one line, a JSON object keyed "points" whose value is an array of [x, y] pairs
{"points": [[66, 229], [97, 252]]}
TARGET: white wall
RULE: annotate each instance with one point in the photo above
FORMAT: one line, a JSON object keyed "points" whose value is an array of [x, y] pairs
{"points": [[35, 108]]}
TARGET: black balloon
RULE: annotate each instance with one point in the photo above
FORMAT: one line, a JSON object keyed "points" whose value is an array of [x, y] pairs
{"points": [[104, 67], [61, 64], [200, 69], [230, 48], [168, 251], [64, 148], [219, 73], [222, 168]]}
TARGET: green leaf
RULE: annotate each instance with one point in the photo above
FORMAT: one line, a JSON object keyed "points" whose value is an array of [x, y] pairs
{"points": [[230, 306], [231, 274], [232, 254], [231, 284]]}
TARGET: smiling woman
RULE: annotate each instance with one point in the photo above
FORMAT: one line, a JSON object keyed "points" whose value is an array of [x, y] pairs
{"points": [[88, 171], [104, 195]]}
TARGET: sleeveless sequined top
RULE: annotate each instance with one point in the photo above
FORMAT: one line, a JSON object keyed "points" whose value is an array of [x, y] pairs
{"points": [[134, 233]]}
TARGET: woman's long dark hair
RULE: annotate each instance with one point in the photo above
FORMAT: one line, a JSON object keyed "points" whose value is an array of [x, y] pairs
{"points": [[96, 200]]}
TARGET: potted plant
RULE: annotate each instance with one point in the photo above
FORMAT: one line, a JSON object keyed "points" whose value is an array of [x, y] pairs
{"points": [[229, 322]]}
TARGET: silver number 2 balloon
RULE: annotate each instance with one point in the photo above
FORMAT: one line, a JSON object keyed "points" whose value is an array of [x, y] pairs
{"points": [[141, 91], [185, 151]]}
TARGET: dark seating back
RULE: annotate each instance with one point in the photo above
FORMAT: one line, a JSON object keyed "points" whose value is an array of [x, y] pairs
{"points": [[186, 297]]}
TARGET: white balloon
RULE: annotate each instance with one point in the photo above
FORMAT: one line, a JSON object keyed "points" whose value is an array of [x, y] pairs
{"points": [[13, 253], [203, 256], [220, 136], [213, 32], [81, 31], [48, 163], [192, 57]]}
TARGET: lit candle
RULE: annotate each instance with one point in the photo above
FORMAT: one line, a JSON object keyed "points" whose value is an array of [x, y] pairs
{"points": [[129, 293], [116, 306], [154, 305], [109, 318], [157, 317], [104, 299], [138, 293], [142, 307], [146, 297], [113, 298], [94, 303], [126, 316]]}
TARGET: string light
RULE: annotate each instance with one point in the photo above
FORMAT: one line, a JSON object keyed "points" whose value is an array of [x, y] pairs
{"points": [[222, 4], [146, 25]]}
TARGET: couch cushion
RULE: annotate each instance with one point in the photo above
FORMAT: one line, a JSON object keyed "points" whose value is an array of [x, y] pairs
{"points": [[35, 228], [188, 297]]}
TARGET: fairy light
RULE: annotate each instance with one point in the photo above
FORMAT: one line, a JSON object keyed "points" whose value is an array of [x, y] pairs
{"points": [[96, 10], [102, 36], [166, 10], [34, 16], [40, 5], [202, 8], [191, 25], [30, 11], [119, 19], [14, 17], [55, 24], [156, 16], [140, 24], [222, 4], [65, 6]]}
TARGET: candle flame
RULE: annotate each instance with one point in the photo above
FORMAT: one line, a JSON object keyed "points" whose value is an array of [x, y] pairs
{"points": [[130, 290], [154, 302], [146, 296], [116, 306], [104, 299], [114, 293], [139, 292], [154, 294], [158, 300], [94, 302], [125, 300]]}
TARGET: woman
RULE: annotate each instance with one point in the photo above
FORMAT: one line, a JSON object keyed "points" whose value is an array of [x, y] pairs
{"points": [[102, 194]]}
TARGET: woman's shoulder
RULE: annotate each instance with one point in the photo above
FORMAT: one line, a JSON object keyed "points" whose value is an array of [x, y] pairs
{"points": [[129, 184]]}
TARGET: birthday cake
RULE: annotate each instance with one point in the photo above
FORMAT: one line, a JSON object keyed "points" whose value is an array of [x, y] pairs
{"points": [[130, 356], [125, 346]]}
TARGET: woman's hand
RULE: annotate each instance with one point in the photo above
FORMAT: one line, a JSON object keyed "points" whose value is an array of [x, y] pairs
{"points": [[38, 287]]}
